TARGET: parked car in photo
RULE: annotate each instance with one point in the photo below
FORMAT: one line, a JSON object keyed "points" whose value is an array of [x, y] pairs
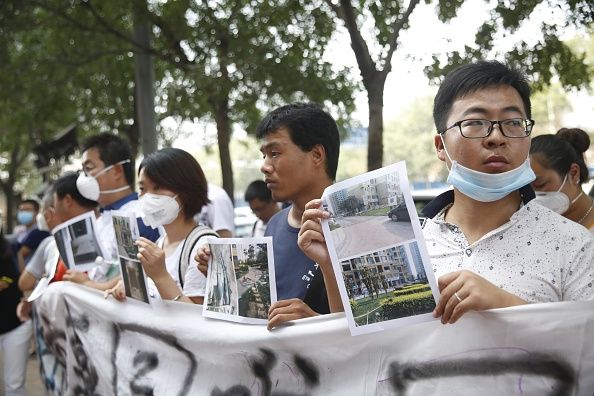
{"points": [[399, 213]]}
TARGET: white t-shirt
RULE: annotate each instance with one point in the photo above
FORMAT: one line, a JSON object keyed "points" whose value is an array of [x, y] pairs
{"points": [[38, 262], [538, 255], [218, 214], [259, 228], [194, 281]]}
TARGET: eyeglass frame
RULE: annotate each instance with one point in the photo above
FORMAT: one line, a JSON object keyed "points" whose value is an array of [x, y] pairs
{"points": [[529, 124]]}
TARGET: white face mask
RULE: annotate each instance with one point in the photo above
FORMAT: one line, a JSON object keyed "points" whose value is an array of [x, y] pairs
{"points": [[89, 187], [158, 210], [557, 201], [41, 222]]}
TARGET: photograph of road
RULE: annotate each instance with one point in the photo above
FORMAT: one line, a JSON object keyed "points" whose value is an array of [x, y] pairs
{"points": [[368, 216], [239, 279]]}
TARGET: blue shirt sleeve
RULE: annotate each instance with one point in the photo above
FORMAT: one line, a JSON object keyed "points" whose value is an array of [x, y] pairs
{"points": [[147, 232]]}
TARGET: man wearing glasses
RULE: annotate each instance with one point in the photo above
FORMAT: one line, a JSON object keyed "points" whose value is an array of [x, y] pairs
{"points": [[491, 245], [107, 177]]}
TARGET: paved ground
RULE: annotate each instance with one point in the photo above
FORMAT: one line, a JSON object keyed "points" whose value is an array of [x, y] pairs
{"points": [[33, 386], [359, 234]]}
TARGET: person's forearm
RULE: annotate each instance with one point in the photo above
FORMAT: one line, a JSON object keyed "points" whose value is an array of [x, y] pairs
{"points": [[168, 289], [102, 285], [334, 301]]}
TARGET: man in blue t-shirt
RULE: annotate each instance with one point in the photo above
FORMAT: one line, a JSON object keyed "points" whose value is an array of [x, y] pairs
{"points": [[29, 239], [300, 144]]}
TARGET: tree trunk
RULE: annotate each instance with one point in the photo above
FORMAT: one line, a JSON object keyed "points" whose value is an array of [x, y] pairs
{"points": [[16, 160], [224, 137], [144, 78], [7, 189], [375, 132]]}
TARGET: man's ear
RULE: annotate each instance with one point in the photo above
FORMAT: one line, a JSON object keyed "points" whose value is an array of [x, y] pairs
{"points": [[118, 172], [67, 201], [438, 142], [318, 154]]}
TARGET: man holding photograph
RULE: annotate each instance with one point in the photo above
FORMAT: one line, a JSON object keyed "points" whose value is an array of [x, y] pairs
{"points": [[491, 245], [108, 177], [300, 144]]}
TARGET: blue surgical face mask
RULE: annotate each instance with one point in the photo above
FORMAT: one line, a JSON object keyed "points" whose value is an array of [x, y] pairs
{"points": [[488, 187], [24, 217]]}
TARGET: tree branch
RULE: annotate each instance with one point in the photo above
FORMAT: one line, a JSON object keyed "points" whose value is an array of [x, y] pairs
{"points": [[90, 58], [397, 26], [58, 12], [346, 12], [124, 37], [167, 32]]}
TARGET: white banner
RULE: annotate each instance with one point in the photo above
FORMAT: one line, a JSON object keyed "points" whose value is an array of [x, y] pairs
{"points": [[94, 346]]}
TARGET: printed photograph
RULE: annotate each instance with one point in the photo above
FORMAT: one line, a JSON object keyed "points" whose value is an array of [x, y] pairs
{"points": [[85, 246], [62, 238], [375, 242], [222, 284], [134, 279], [239, 279], [368, 215], [388, 284], [77, 242], [126, 232]]}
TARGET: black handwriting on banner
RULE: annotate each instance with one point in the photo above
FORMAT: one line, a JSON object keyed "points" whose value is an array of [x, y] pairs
{"points": [[146, 361], [402, 375], [262, 367], [84, 370], [51, 344]]}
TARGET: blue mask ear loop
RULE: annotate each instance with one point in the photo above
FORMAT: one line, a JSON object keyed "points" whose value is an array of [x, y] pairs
{"points": [[446, 152]]}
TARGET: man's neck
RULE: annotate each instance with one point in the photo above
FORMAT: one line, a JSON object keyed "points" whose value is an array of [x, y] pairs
{"points": [[476, 218], [110, 198], [298, 207]]}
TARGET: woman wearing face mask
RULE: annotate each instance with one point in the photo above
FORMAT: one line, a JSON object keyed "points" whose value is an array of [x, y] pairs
{"points": [[172, 190], [558, 162]]}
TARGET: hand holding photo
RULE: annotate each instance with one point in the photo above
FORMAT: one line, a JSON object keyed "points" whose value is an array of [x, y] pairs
{"points": [[240, 284], [378, 252]]}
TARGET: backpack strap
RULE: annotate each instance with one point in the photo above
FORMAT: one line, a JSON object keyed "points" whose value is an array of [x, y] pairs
{"points": [[189, 243]]}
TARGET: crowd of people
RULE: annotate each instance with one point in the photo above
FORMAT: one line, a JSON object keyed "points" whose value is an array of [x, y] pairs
{"points": [[516, 228]]}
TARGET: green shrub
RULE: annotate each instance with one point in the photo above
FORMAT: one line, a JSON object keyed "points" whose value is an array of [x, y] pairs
{"points": [[407, 305]]}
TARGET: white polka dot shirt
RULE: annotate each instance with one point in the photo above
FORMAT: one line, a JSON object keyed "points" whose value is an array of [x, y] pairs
{"points": [[538, 255]]}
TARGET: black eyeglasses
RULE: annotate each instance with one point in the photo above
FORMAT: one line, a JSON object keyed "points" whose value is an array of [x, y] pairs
{"points": [[478, 128]]}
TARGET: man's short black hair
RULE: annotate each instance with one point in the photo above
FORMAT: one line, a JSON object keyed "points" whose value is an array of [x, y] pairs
{"points": [[308, 125], [470, 78], [257, 189], [66, 185], [32, 202], [112, 149]]}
